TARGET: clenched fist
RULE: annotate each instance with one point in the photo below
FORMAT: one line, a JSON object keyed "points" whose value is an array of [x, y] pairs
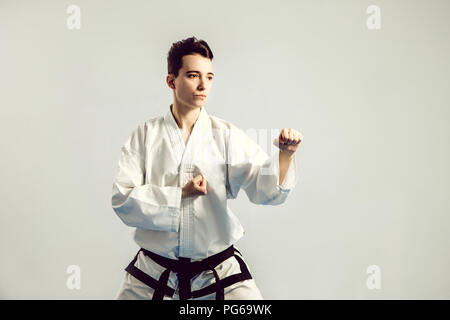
{"points": [[288, 141], [195, 187]]}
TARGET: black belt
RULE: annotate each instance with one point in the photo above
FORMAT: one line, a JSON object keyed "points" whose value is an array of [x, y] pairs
{"points": [[186, 270]]}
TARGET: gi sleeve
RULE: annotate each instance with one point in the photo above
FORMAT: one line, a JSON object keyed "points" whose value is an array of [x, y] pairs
{"points": [[142, 205], [249, 167]]}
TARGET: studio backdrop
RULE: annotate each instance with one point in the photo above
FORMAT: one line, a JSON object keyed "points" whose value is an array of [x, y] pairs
{"points": [[365, 82]]}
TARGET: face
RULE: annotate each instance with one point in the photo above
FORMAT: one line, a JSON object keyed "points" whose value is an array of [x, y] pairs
{"points": [[194, 78]]}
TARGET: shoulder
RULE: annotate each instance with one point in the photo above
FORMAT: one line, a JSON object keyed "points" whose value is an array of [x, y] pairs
{"points": [[137, 138], [224, 125], [233, 135], [143, 127], [152, 123]]}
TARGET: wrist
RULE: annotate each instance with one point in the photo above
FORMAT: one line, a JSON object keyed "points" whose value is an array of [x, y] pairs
{"points": [[289, 155]]}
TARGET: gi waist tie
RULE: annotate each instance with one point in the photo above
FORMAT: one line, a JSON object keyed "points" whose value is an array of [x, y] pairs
{"points": [[186, 270]]}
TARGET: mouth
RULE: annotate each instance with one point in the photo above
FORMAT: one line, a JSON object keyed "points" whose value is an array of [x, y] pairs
{"points": [[200, 96]]}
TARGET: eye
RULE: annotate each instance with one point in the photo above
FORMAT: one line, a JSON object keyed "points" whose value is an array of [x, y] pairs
{"points": [[192, 75]]}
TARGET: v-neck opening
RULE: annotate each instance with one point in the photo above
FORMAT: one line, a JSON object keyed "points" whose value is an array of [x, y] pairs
{"points": [[180, 147], [185, 134]]}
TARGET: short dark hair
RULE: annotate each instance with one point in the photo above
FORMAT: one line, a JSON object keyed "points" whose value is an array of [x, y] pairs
{"points": [[184, 47]]}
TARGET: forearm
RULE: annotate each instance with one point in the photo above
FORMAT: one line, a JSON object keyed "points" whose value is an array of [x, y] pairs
{"points": [[147, 206], [285, 159]]}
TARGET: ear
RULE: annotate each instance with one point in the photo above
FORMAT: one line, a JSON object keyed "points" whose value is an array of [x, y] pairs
{"points": [[171, 81]]}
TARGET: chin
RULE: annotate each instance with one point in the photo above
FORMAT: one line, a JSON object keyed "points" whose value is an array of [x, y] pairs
{"points": [[198, 104]]}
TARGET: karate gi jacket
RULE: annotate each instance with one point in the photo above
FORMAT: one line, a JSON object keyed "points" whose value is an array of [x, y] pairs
{"points": [[155, 164]]}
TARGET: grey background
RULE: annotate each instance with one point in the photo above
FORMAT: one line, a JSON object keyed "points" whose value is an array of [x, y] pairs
{"points": [[372, 106]]}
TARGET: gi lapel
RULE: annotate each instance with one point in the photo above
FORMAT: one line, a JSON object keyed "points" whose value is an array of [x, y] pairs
{"points": [[174, 136], [201, 133]]}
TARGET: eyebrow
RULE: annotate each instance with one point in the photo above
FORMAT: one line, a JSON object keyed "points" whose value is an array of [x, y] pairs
{"points": [[197, 72]]}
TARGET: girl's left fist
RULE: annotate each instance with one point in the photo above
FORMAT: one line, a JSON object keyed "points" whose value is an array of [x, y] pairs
{"points": [[289, 140]]}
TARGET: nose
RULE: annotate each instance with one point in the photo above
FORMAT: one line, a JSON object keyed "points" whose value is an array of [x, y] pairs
{"points": [[201, 85]]}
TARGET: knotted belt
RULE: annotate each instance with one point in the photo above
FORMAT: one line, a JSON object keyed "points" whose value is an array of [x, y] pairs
{"points": [[186, 270]]}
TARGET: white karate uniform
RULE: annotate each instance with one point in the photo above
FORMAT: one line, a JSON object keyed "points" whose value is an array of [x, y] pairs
{"points": [[156, 162]]}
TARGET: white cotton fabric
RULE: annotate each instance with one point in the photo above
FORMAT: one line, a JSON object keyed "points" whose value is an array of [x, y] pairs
{"points": [[133, 289], [155, 163]]}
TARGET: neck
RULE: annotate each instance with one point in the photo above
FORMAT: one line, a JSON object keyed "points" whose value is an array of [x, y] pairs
{"points": [[185, 116]]}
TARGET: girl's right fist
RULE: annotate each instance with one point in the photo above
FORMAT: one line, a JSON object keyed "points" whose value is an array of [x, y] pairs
{"points": [[195, 187]]}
